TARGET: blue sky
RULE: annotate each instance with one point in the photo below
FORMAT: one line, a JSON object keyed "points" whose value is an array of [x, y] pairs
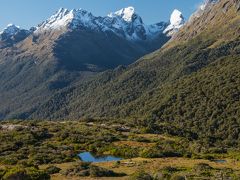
{"points": [[28, 13]]}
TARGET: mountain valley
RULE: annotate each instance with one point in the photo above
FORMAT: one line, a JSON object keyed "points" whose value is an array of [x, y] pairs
{"points": [[163, 98]]}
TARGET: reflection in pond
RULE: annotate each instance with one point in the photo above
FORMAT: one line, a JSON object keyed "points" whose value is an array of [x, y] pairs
{"points": [[89, 157]]}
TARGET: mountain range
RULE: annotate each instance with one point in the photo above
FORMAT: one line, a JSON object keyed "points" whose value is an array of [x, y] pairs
{"points": [[77, 40]]}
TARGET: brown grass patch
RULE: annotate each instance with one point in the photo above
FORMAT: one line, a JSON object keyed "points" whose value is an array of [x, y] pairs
{"points": [[133, 144]]}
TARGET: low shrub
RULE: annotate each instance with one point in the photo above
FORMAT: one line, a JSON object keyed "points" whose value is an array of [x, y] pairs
{"points": [[141, 175], [177, 177], [202, 167], [78, 169], [82, 169], [31, 173], [52, 169], [169, 169], [36, 174], [96, 171], [16, 173]]}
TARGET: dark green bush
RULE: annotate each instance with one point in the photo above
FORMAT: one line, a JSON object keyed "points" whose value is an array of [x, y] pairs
{"points": [[35, 174], [15, 173], [177, 177], [169, 169], [141, 175], [96, 171], [77, 169], [202, 167], [52, 169]]}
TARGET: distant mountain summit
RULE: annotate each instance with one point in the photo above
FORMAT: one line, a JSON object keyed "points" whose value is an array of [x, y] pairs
{"points": [[65, 18], [10, 30], [126, 13], [176, 22], [127, 23], [12, 34]]}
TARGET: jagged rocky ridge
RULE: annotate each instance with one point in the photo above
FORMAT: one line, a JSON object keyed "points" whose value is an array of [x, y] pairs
{"points": [[125, 23]]}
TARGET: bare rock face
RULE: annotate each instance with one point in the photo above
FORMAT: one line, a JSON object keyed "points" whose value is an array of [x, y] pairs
{"points": [[237, 3], [227, 5], [206, 6]]}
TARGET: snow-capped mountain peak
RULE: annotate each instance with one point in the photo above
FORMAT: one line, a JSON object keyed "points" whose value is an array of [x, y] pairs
{"points": [[60, 14], [64, 18], [12, 34], [59, 19], [176, 18], [125, 13], [10, 30], [176, 22]]}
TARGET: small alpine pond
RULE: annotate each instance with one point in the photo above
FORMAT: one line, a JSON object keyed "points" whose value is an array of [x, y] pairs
{"points": [[90, 157]]}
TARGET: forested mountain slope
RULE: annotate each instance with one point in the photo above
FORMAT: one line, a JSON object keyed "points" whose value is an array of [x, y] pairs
{"points": [[133, 91]]}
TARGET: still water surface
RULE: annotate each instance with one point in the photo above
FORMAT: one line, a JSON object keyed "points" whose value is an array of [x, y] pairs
{"points": [[89, 157]]}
